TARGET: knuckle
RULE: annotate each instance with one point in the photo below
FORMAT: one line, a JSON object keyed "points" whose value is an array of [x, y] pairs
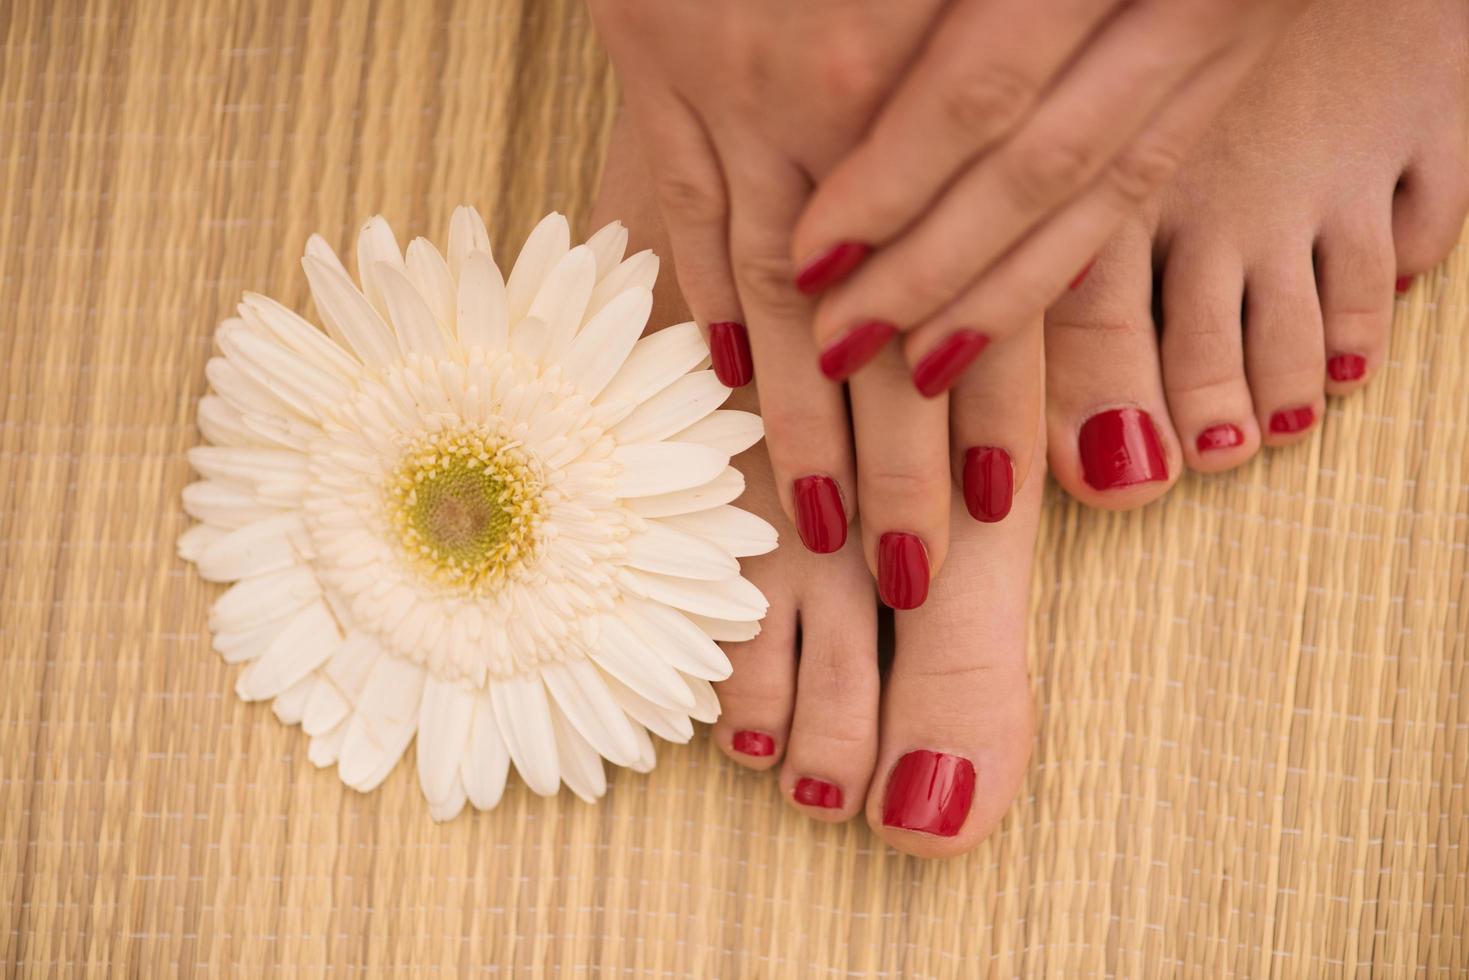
{"points": [[795, 433], [987, 102], [766, 282], [1143, 170], [1087, 330], [1039, 177], [903, 483], [688, 197]]}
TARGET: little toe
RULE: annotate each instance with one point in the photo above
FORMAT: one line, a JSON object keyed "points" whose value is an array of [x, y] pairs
{"points": [[1285, 351], [756, 699], [1356, 269]]}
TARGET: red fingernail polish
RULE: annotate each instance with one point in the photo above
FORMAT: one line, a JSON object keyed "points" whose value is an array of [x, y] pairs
{"points": [[729, 349], [929, 792], [1119, 448], [989, 483], [753, 743], [1225, 435], [817, 792], [902, 570], [1403, 284], [821, 520], [1289, 420], [1346, 367], [844, 356], [941, 367], [1080, 276], [826, 269]]}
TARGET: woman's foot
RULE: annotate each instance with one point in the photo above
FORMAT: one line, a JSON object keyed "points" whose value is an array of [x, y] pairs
{"points": [[934, 752], [1337, 174]]}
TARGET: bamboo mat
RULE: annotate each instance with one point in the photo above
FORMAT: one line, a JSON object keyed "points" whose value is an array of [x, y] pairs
{"points": [[1254, 696]]}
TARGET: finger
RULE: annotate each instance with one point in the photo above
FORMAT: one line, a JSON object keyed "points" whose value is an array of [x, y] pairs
{"points": [[994, 424]]}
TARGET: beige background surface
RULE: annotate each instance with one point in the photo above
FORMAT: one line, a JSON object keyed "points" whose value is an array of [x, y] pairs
{"points": [[1254, 697]]}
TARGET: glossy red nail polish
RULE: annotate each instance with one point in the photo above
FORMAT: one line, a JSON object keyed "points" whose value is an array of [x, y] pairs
{"points": [[1289, 420], [825, 269], [1120, 448], [817, 792], [941, 367], [821, 520], [729, 350], [989, 483], [1346, 367], [1225, 435], [902, 570], [1081, 276], [843, 356], [1403, 284], [753, 743], [929, 792]]}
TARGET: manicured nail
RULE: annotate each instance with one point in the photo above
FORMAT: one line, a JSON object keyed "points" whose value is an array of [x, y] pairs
{"points": [[1119, 448], [1080, 276], [821, 520], [989, 483], [929, 792], [825, 269], [941, 367], [902, 570], [1346, 367], [1289, 420], [753, 743], [845, 355], [1403, 284], [1225, 435], [817, 792], [729, 349]]}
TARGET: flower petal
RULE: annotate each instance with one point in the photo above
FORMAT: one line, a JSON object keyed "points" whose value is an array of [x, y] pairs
{"points": [[524, 717], [730, 598], [671, 635], [223, 505], [706, 702], [293, 331], [673, 409], [547, 242], [223, 424], [466, 234], [376, 243], [342, 681], [736, 531], [650, 468], [262, 599], [608, 244], [637, 272], [727, 486], [562, 299], [444, 717], [726, 429], [486, 761], [662, 548], [449, 806], [669, 724], [418, 330], [599, 350], [580, 691], [289, 706], [430, 275], [287, 375], [621, 653], [656, 361], [382, 724], [581, 766], [726, 630], [482, 318], [307, 641], [349, 315], [255, 549]]}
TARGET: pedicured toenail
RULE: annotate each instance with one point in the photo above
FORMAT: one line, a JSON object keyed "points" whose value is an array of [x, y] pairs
{"points": [[843, 357], [1403, 284], [1289, 420], [817, 792], [820, 518], [941, 367], [753, 743], [1225, 435], [1081, 276], [929, 792], [1346, 367], [902, 570], [729, 350], [825, 269], [989, 483], [1119, 448]]}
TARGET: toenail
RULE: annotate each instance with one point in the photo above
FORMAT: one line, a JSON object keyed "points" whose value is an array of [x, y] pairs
{"points": [[825, 269], [1225, 435], [753, 743], [1289, 420], [989, 483], [729, 349], [1081, 276], [1346, 367], [1120, 448], [820, 518], [929, 792], [902, 570], [841, 359], [937, 371], [1403, 284], [817, 792]]}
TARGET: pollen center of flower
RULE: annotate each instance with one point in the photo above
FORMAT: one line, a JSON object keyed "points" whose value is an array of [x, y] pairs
{"points": [[467, 506]]}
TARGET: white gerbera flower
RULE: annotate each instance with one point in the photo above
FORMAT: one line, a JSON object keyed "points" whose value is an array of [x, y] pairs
{"points": [[476, 510]]}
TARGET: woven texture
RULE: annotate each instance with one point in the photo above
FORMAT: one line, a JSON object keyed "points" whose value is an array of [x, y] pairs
{"points": [[1254, 695]]}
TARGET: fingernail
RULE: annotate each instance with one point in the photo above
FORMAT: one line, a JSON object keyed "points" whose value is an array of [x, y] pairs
{"points": [[941, 367], [1119, 448], [753, 743], [1289, 420], [1080, 276], [729, 349], [1403, 284], [929, 792], [820, 518], [825, 269], [1225, 435], [989, 483], [902, 570], [1346, 367], [817, 792], [841, 358]]}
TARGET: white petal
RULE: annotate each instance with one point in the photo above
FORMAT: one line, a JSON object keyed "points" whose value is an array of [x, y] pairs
{"points": [[726, 630], [581, 693], [581, 767], [486, 761], [726, 429], [307, 641], [262, 599], [669, 724], [531, 341], [349, 315], [430, 275], [648, 757], [255, 549], [483, 321], [738, 532], [222, 424], [197, 540], [248, 644], [706, 702], [245, 466], [342, 681], [418, 331], [383, 724], [223, 505], [731, 598], [325, 748], [673, 409], [542, 250], [291, 705], [375, 244], [651, 468], [656, 361], [286, 374], [451, 804], [681, 644], [524, 717], [662, 548], [727, 486], [466, 234], [638, 272], [240, 391], [599, 350], [621, 653], [562, 298], [608, 245], [293, 331], [444, 717]]}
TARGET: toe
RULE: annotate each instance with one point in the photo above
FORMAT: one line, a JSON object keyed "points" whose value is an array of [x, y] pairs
{"points": [[1285, 353], [755, 701], [993, 424], [1428, 211], [1355, 268]]}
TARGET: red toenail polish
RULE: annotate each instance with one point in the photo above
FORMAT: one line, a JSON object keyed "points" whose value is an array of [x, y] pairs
{"points": [[1403, 284], [753, 743], [817, 792], [825, 269], [841, 358], [989, 483], [1346, 367], [1081, 276], [1120, 448], [941, 367], [902, 570], [1225, 435], [729, 349], [929, 792], [821, 520], [1289, 420]]}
